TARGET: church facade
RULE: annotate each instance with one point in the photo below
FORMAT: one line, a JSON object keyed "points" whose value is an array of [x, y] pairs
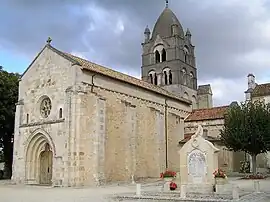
{"points": [[78, 123]]}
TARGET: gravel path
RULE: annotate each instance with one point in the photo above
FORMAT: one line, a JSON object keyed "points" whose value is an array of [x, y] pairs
{"points": [[20, 193]]}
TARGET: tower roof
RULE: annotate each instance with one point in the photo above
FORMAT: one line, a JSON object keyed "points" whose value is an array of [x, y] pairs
{"points": [[164, 24]]}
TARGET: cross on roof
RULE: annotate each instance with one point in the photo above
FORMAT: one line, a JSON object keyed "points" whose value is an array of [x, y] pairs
{"points": [[49, 40], [167, 3]]}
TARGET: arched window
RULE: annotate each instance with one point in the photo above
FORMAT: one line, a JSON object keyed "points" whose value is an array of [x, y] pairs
{"points": [[205, 133], [186, 58], [60, 113], [170, 77], [155, 79], [163, 56], [157, 55], [152, 76], [184, 76], [191, 75], [165, 78], [167, 75], [186, 95], [186, 53], [27, 118], [194, 102]]}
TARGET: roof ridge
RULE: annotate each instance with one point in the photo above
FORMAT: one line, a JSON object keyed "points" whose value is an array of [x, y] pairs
{"points": [[222, 106], [208, 113], [263, 84], [105, 67]]}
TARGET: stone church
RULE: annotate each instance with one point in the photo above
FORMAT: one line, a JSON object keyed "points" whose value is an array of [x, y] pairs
{"points": [[79, 123]]}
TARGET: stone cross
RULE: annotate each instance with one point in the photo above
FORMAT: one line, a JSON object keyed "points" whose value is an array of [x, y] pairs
{"points": [[49, 40]]}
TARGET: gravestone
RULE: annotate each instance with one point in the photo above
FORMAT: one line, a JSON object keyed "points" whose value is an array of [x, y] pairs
{"points": [[198, 160], [196, 166]]}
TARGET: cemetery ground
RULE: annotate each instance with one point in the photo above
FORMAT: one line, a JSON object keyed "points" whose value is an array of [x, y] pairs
{"points": [[28, 193]]}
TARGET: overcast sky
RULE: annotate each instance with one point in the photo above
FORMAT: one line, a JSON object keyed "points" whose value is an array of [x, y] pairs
{"points": [[232, 37]]}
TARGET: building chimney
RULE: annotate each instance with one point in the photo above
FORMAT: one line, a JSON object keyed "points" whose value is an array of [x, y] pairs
{"points": [[251, 81]]}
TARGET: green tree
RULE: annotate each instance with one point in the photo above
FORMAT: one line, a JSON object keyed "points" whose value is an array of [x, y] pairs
{"points": [[9, 83], [247, 128]]}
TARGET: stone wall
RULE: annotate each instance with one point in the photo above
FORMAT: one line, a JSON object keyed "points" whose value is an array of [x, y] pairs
{"points": [[213, 127], [176, 133], [125, 130]]}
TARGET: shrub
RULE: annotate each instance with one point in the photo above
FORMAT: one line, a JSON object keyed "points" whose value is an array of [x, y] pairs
{"points": [[245, 167], [218, 173], [167, 174]]}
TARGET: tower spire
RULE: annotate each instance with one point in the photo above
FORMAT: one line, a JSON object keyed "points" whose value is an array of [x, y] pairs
{"points": [[167, 3]]}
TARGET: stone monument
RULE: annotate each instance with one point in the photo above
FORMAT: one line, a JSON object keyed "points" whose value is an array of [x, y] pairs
{"points": [[198, 160]]}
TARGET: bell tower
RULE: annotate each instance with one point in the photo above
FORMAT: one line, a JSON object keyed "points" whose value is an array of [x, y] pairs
{"points": [[168, 58]]}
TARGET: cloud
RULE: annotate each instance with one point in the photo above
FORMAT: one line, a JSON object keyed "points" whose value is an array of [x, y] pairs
{"points": [[231, 36], [224, 90]]}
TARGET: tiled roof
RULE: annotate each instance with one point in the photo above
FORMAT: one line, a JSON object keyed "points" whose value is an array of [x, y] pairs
{"points": [[261, 90], [85, 64], [207, 114]]}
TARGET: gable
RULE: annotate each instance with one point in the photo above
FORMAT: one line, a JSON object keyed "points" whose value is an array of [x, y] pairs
{"points": [[261, 90], [41, 54]]}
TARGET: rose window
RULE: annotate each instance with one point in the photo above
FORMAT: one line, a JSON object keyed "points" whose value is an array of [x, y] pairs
{"points": [[45, 107]]}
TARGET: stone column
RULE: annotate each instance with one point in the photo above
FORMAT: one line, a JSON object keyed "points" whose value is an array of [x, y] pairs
{"points": [[160, 140], [132, 139], [159, 79], [73, 141], [72, 162], [67, 153], [18, 165], [18, 173], [267, 156], [250, 163], [100, 138]]}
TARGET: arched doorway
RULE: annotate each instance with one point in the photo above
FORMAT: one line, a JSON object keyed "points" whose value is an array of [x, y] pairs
{"points": [[46, 166], [39, 159]]}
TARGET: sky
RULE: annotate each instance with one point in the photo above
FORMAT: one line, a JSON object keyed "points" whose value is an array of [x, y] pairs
{"points": [[231, 37]]}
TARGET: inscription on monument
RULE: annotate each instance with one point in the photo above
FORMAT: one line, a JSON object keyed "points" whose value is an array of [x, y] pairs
{"points": [[196, 166]]}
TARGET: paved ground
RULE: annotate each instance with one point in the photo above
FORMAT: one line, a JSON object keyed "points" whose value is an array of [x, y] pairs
{"points": [[16, 193]]}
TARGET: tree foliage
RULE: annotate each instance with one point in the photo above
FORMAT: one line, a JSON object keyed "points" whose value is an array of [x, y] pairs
{"points": [[247, 128], [9, 83]]}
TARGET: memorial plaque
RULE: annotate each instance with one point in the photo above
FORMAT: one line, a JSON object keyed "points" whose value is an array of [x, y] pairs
{"points": [[196, 166]]}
